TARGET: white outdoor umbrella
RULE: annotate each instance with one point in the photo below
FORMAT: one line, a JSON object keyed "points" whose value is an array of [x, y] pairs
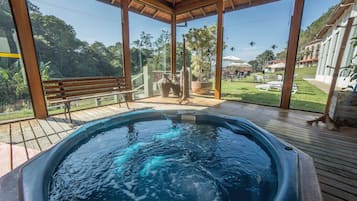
{"points": [[232, 59], [239, 65]]}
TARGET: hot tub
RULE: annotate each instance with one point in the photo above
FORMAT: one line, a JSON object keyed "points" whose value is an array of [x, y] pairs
{"points": [[168, 155]]}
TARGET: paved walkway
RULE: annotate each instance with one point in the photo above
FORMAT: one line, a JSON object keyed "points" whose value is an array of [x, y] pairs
{"points": [[321, 85]]}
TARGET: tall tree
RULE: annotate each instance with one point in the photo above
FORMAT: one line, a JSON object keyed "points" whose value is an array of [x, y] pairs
{"points": [[313, 29], [264, 58], [202, 43]]}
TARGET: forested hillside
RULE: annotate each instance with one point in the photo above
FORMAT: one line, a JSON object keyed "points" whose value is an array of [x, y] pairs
{"points": [[62, 54], [308, 34]]}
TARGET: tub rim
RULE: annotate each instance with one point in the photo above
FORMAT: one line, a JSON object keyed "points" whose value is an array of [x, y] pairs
{"points": [[34, 179]]}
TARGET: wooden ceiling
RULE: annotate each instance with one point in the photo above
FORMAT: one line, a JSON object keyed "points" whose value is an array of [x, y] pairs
{"points": [[185, 10]]}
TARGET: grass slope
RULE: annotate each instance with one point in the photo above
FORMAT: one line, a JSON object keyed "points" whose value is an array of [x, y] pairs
{"points": [[308, 97]]}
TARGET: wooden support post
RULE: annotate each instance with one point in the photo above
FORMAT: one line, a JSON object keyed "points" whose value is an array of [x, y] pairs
{"points": [[126, 45], [24, 32], [219, 48], [338, 64], [173, 45], [291, 54], [336, 71]]}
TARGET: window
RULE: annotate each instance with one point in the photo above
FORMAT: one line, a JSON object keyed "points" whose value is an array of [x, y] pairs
{"points": [[255, 55], [312, 81], [79, 38], [201, 41], [15, 99], [149, 54]]}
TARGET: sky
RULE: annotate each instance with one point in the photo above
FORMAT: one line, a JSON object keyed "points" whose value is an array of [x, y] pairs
{"points": [[265, 25]]}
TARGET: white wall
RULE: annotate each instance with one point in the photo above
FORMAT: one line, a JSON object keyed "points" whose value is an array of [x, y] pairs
{"points": [[330, 49]]}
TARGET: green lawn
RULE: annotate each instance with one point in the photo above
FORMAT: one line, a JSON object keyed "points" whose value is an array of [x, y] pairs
{"points": [[84, 104], [25, 113], [308, 96]]}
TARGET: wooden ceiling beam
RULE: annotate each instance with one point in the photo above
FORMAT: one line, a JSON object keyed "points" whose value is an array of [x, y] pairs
{"points": [[159, 5], [143, 9], [186, 6], [203, 12], [155, 14], [130, 3], [190, 14], [232, 4]]}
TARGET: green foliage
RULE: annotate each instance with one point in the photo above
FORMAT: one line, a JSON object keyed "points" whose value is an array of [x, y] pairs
{"points": [[352, 69], [282, 55], [160, 59], [263, 59], [202, 43], [312, 30], [254, 64], [179, 58], [60, 54]]}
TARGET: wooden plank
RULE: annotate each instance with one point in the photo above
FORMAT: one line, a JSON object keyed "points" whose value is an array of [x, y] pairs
{"points": [[55, 126], [185, 6], [329, 197], [291, 54], [293, 136], [157, 4], [335, 162], [80, 91], [232, 4], [84, 93], [5, 133], [173, 45], [126, 45], [27, 45], [78, 86], [90, 116], [78, 82], [49, 131], [322, 150], [338, 185], [351, 171], [333, 170], [65, 127], [219, 49], [326, 156], [5, 150], [81, 115], [71, 79], [43, 140], [156, 13], [203, 12], [337, 192], [29, 137], [19, 150], [336, 177], [309, 137]]}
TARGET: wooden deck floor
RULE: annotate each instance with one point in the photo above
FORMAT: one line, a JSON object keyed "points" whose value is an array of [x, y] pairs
{"points": [[334, 153]]}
